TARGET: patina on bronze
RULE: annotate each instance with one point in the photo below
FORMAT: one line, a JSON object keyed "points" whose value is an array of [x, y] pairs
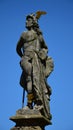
{"points": [[36, 67]]}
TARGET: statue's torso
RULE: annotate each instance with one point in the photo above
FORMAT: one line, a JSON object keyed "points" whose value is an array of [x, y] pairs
{"points": [[29, 35], [31, 41]]}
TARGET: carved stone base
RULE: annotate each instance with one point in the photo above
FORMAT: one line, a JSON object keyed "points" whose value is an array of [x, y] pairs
{"points": [[27, 128], [29, 120]]}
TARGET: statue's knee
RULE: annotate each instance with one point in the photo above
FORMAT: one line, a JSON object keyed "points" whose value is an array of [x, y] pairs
{"points": [[24, 64]]}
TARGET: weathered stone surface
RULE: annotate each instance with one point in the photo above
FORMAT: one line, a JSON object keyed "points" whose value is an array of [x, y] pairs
{"points": [[29, 120], [36, 65], [28, 128]]}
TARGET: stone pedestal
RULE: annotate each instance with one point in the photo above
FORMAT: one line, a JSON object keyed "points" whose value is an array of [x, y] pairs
{"points": [[29, 120]]}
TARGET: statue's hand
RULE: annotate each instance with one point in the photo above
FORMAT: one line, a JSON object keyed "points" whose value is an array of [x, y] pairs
{"points": [[42, 54]]}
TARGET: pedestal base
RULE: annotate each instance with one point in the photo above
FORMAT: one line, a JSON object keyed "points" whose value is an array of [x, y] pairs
{"points": [[29, 120], [27, 128]]}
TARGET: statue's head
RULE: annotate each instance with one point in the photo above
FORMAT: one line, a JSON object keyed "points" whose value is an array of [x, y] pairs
{"points": [[32, 19]]}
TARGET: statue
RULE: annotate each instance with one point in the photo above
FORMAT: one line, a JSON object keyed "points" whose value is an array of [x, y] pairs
{"points": [[36, 66]]}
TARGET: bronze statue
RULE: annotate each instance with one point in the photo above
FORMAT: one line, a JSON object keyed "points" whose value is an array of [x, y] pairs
{"points": [[36, 65]]}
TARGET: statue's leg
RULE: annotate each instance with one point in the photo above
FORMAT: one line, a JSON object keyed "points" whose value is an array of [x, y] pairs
{"points": [[26, 65], [29, 91]]}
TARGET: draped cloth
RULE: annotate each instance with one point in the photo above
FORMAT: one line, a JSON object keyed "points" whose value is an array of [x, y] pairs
{"points": [[41, 89]]}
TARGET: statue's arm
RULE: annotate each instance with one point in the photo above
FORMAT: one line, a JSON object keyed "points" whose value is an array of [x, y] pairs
{"points": [[43, 44], [19, 46], [44, 50]]}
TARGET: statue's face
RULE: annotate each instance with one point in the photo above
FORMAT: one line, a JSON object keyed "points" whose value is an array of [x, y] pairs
{"points": [[29, 23]]}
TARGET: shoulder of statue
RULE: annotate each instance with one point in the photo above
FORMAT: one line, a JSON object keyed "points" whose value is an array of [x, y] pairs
{"points": [[23, 35]]}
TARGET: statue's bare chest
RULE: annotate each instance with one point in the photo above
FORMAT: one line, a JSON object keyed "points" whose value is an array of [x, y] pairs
{"points": [[29, 36]]}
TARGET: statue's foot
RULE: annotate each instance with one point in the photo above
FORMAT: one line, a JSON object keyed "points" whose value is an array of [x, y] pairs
{"points": [[38, 107], [26, 108]]}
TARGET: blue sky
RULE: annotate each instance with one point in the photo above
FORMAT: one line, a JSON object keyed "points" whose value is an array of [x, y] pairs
{"points": [[57, 28]]}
